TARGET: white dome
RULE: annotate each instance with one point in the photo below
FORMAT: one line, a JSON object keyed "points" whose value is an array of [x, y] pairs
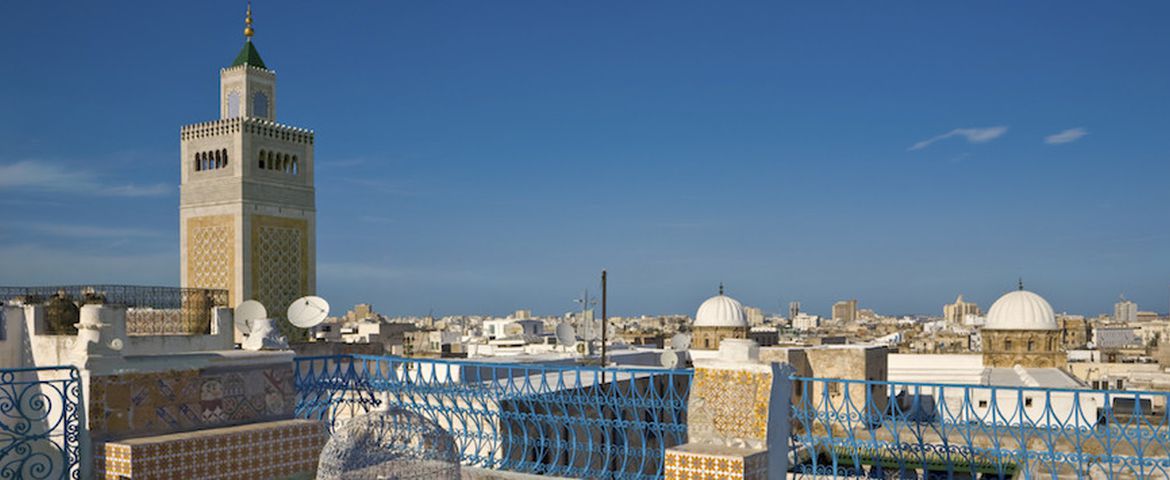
{"points": [[721, 311], [1021, 310]]}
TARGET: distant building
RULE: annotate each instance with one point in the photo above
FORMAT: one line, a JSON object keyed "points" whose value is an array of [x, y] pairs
{"points": [[805, 322], [957, 312], [755, 316], [1113, 338], [764, 336], [1125, 311], [1075, 331], [522, 314], [845, 311], [793, 310]]}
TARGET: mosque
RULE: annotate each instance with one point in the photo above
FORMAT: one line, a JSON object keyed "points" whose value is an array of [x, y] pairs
{"points": [[719, 317]]}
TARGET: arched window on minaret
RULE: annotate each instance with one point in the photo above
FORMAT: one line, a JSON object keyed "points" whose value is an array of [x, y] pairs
{"points": [[295, 166], [196, 162], [225, 157], [287, 163], [262, 159], [215, 160]]}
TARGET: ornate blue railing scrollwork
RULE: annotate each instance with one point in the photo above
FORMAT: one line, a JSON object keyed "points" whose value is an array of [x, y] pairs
{"points": [[40, 426], [556, 420], [856, 428]]}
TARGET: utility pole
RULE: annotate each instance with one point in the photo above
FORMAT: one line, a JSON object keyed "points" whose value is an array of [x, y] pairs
{"points": [[604, 321]]}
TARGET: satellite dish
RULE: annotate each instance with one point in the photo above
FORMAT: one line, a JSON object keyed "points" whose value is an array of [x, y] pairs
{"points": [[668, 359], [566, 335], [680, 341], [308, 312], [248, 311]]}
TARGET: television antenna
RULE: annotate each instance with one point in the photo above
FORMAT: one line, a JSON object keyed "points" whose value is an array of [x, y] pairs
{"points": [[308, 312], [247, 312], [586, 323]]}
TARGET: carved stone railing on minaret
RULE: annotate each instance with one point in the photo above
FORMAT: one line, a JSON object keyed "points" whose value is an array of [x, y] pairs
{"points": [[257, 126]]}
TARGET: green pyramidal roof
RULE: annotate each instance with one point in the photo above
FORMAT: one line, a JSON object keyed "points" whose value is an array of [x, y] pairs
{"points": [[249, 56]]}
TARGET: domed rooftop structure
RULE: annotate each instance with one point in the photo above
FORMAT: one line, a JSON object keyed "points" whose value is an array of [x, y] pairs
{"points": [[721, 311], [1021, 310]]}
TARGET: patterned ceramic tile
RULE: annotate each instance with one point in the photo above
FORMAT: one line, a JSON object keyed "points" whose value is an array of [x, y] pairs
{"points": [[688, 465], [727, 406], [138, 404], [258, 451]]}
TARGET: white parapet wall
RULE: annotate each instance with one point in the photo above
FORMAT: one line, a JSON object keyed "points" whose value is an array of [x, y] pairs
{"points": [[23, 342]]}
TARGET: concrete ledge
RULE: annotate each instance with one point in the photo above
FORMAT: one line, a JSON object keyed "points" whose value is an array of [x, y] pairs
{"points": [[474, 473]]}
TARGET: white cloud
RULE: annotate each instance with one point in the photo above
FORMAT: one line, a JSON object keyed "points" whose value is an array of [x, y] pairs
{"points": [[973, 135], [45, 176], [1067, 136]]}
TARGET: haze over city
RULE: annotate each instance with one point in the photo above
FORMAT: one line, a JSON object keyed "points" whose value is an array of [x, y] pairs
{"points": [[899, 154]]}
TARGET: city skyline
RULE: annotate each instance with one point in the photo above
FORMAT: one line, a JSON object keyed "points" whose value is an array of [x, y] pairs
{"points": [[484, 158]]}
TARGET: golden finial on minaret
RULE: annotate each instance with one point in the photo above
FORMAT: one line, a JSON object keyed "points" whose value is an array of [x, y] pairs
{"points": [[248, 24]]}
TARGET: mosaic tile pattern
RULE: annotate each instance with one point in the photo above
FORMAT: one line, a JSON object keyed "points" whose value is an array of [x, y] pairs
{"points": [[154, 403], [211, 252], [257, 451], [729, 407], [682, 465], [279, 260]]}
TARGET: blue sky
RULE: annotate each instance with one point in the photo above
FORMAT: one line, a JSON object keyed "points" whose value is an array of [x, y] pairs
{"points": [[477, 157]]}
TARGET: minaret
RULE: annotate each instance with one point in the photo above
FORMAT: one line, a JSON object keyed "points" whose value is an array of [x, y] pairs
{"points": [[247, 206]]}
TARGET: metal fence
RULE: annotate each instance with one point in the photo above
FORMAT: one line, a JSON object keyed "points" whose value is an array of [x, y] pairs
{"points": [[39, 423], [150, 310], [848, 428], [556, 420]]}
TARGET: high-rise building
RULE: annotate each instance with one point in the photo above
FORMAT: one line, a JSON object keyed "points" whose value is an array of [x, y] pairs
{"points": [[845, 310], [1125, 311], [755, 315], [956, 312], [793, 310], [247, 214]]}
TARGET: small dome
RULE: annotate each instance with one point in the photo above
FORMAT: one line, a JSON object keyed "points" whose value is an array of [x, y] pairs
{"points": [[721, 311], [1021, 310]]}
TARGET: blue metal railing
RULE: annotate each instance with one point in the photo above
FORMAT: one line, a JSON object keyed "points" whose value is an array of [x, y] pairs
{"points": [[853, 428], [555, 420], [39, 423]]}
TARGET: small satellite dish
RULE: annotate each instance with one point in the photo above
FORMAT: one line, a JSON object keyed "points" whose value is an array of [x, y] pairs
{"points": [[668, 359], [680, 341], [566, 335], [248, 311], [308, 312]]}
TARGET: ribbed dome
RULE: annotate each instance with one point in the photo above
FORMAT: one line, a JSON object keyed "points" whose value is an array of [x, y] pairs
{"points": [[1021, 310], [721, 311]]}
